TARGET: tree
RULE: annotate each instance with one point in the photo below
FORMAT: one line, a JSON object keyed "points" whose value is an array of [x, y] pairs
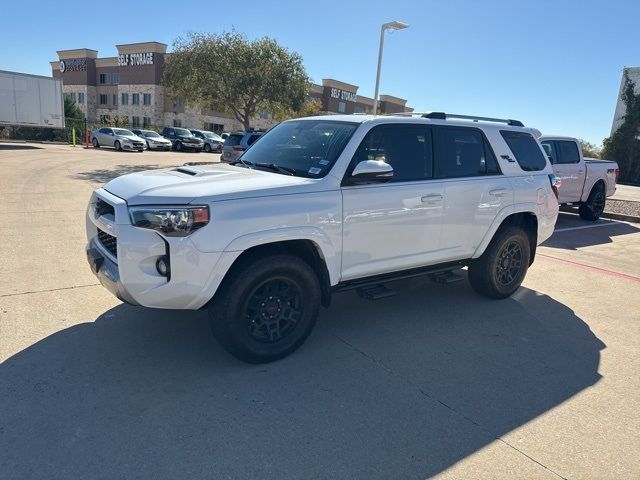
{"points": [[589, 149], [310, 108], [71, 110], [623, 145], [231, 74]]}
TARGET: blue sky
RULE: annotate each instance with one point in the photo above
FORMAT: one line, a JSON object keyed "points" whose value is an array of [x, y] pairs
{"points": [[555, 65]]}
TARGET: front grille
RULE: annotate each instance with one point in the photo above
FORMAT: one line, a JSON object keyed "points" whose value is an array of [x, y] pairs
{"points": [[103, 208], [109, 242]]}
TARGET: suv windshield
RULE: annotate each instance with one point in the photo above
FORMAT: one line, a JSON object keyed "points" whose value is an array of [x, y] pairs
{"points": [[123, 131], [307, 147], [183, 132], [149, 133], [212, 135]]}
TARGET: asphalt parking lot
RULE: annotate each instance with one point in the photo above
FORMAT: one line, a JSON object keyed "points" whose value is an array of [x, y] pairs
{"points": [[434, 382]]}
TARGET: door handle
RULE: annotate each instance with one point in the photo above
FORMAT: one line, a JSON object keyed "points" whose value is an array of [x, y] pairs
{"points": [[431, 198], [499, 192]]}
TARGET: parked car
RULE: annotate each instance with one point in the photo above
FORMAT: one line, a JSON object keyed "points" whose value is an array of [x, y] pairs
{"points": [[237, 143], [118, 138], [224, 135], [153, 139], [321, 205], [182, 139], [212, 141], [586, 182]]}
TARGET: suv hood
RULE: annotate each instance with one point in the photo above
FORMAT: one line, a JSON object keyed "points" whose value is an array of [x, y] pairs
{"points": [[203, 183]]}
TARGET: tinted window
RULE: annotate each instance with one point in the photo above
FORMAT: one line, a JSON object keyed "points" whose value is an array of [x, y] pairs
{"points": [[526, 150], [104, 130], [461, 152], [252, 139], [407, 148], [233, 140], [567, 151], [168, 131], [183, 132], [307, 147], [550, 150]]}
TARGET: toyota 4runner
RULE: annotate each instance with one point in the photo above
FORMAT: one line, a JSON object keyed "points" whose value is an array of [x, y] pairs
{"points": [[320, 205]]}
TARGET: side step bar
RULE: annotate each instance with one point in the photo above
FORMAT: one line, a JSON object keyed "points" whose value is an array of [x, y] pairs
{"points": [[376, 280]]}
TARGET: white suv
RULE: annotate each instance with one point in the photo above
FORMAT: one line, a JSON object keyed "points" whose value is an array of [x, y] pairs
{"points": [[321, 205]]}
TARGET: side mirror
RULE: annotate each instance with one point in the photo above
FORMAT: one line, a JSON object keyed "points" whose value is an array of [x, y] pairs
{"points": [[372, 171]]}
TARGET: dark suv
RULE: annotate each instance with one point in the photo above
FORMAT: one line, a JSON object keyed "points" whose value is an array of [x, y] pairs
{"points": [[182, 139]]}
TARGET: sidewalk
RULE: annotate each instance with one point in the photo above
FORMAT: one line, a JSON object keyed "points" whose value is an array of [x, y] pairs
{"points": [[627, 193]]}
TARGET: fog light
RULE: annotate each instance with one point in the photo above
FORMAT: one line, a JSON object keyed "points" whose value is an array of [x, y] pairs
{"points": [[162, 265]]}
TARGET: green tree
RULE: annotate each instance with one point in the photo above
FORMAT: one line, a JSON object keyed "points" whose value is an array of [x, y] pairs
{"points": [[71, 110], [229, 73], [623, 145], [589, 149], [310, 108]]}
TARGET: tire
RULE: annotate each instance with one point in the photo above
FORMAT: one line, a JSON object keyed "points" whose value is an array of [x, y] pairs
{"points": [[499, 272], [207, 148], [256, 299], [95, 143], [594, 206], [178, 146], [148, 146], [117, 145]]}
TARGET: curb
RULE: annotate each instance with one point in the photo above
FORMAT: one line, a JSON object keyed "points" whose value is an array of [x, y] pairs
{"points": [[619, 216]]}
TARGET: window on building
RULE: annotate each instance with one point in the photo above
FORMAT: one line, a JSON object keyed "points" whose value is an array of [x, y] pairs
{"points": [[177, 122], [81, 97], [525, 149], [124, 99], [115, 78], [462, 152], [264, 115], [146, 99], [135, 121], [115, 99], [214, 127], [104, 99], [342, 107], [146, 121], [407, 148], [70, 96], [104, 79], [177, 103], [135, 99]]}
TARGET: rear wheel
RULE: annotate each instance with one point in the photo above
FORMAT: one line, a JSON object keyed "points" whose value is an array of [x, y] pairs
{"points": [[95, 143], [499, 272], [266, 309], [594, 206]]}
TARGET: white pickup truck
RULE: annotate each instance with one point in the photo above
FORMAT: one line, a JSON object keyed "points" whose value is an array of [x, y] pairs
{"points": [[586, 182], [320, 205]]}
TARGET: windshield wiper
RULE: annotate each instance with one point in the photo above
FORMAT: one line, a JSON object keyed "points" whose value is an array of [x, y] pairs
{"points": [[245, 163], [277, 168]]}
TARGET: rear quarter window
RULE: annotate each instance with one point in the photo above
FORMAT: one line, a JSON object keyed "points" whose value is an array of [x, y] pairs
{"points": [[526, 150]]}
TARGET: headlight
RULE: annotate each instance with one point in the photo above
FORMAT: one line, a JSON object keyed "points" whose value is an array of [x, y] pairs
{"points": [[178, 221]]}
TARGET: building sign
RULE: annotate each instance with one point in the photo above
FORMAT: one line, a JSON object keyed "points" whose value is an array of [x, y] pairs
{"points": [[73, 65], [343, 95], [135, 59]]}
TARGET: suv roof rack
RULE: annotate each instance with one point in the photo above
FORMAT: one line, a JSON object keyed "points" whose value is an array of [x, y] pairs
{"points": [[445, 116]]}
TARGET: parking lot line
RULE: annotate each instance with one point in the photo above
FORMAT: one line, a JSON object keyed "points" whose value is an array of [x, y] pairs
{"points": [[585, 266], [605, 224]]}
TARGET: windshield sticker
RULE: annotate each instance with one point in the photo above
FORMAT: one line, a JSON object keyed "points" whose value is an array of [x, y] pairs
{"points": [[314, 170], [324, 162]]}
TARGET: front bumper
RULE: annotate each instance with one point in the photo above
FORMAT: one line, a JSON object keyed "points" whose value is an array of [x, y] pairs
{"points": [[128, 268]]}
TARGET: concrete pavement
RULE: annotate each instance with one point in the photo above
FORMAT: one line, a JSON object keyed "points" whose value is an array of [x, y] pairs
{"points": [[434, 382]]}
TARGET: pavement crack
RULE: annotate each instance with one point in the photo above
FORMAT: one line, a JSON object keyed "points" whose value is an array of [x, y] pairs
{"points": [[447, 406], [49, 290]]}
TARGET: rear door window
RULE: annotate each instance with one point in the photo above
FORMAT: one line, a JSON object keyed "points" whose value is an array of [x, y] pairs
{"points": [[462, 152], [526, 150], [567, 151]]}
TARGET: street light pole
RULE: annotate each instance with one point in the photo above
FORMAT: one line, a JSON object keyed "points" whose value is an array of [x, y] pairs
{"points": [[386, 26]]}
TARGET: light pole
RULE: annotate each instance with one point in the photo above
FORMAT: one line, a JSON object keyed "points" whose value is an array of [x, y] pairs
{"points": [[385, 26]]}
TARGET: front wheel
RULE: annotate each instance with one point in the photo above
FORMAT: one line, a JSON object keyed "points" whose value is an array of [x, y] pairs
{"points": [[266, 309], [207, 148], [178, 146], [95, 143], [499, 272], [594, 206], [117, 145]]}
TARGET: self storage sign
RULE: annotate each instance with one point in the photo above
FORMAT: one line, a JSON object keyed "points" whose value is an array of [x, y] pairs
{"points": [[135, 59]]}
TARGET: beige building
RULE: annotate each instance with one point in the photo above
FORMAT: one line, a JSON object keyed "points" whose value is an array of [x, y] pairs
{"points": [[129, 87]]}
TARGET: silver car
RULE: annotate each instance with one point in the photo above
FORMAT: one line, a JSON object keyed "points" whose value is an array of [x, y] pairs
{"points": [[153, 139], [212, 141], [236, 144], [118, 138]]}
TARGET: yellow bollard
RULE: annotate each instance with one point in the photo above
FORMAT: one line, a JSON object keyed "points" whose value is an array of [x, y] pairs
{"points": [[73, 135]]}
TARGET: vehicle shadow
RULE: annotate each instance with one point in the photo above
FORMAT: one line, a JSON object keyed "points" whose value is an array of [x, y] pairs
{"points": [[399, 388], [103, 175], [13, 146]]}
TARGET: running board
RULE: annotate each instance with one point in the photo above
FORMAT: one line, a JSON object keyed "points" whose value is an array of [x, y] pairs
{"points": [[376, 280]]}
